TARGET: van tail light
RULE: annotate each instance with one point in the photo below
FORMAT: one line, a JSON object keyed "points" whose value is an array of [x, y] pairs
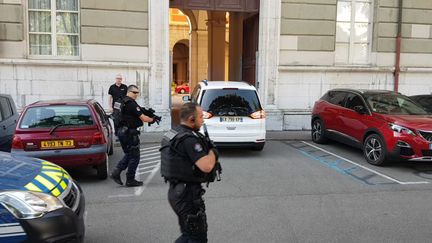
{"points": [[17, 142], [258, 115], [207, 115], [98, 138]]}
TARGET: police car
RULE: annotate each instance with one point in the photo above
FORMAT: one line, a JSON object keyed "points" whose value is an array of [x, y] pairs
{"points": [[39, 202]]}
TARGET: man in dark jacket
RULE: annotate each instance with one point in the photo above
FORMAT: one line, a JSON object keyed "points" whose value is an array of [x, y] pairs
{"points": [[186, 161]]}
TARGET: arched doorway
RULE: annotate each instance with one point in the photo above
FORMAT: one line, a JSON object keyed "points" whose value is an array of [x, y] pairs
{"points": [[226, 22], [181, 65]]}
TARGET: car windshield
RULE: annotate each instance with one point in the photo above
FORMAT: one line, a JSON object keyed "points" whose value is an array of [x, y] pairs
{"points": [[59, 115], [393, 104], [230, 102]]}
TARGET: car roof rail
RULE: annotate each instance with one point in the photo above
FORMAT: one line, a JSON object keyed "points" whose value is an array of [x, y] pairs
{"points": [[205, 82]]}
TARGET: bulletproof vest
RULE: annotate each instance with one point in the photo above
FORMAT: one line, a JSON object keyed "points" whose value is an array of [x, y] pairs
{"points": [[125, 119], [175, 164]]}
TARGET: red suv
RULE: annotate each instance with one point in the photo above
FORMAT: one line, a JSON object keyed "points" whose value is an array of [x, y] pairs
{"points": [[383, 123], [71, 133]]}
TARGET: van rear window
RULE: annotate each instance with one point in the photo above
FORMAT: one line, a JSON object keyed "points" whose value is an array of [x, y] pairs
{"points": [[49, 116], [228, 102]]}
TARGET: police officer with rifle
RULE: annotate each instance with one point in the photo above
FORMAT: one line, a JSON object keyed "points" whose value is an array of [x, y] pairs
{"points": [[189, 159], [132, 117]]}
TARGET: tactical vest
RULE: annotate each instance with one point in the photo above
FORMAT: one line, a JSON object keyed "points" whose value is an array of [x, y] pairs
{"points": [[126, 119], [176, 165]]}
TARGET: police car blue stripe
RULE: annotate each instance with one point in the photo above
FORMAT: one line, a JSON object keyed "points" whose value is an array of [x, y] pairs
{"points": [[40, 186], [54, 182]]}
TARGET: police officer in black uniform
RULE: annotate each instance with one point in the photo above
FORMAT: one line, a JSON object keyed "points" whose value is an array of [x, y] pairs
{"points": [[132, 118], [186, 161]]}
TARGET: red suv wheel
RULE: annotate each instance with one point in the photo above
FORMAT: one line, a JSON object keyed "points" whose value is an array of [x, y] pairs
{"points": [[374, 150], [318, 132]]}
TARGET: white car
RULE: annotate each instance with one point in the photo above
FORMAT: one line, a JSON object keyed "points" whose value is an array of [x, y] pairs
{"points": [[232, 113]]}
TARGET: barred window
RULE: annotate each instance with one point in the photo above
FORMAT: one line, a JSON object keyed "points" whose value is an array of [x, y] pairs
{"points": [[353, 31], [53, 27]]}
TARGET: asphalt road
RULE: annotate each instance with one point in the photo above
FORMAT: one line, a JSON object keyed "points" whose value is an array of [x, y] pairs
{"points": [[292, 191]]}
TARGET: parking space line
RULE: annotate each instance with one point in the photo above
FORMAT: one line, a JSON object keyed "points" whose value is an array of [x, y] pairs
{"points": [[366, 168]]}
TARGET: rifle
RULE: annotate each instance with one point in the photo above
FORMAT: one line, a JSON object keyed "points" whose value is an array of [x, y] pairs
{"points": [[151, 113], [217, 170]]}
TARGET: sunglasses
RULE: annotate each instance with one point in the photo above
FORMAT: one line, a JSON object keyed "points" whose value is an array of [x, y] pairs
{"points": [[135, 92]]}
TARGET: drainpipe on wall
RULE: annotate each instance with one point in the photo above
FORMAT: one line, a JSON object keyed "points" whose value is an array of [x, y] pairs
{"points": [[398, 47]]}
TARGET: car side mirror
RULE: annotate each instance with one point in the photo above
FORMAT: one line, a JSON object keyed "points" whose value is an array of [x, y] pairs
{"points": [[186, 98], [360, 109]]}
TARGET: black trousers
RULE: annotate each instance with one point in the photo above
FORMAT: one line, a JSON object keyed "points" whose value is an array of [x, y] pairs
{"points": [[187, 202], [130, 143]]}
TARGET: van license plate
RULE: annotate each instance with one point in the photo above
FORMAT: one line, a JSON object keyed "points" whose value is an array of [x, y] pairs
{"points": [[57, 144], [231, 119]]}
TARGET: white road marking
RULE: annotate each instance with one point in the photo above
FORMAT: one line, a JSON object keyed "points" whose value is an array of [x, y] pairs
{"points": [[150, 148], [150, 158], [150, 162], [139, 190], [144, 172], [147, 167], [368, 169], [152, 154], [141, 170]]}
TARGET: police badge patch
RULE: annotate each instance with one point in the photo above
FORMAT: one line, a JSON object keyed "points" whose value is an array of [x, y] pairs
{"points": [[198, 148], [138, 109]]}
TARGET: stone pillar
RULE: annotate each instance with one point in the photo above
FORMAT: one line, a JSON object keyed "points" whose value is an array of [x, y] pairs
{"points": [[268, 56], [235, 46], [203, 58], [216, 34], [268, 50], [159, 78], [193, 59]]}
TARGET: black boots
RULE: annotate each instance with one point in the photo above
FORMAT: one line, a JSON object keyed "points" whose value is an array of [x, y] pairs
{"points": [[132, 182], [115, 175]]}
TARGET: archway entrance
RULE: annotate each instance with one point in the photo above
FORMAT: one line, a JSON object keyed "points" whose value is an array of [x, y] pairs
{"points": [[223, 40]]}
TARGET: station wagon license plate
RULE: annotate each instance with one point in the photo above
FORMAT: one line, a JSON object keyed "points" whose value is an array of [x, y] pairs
{"points": [[231, 119], [57, 144]]}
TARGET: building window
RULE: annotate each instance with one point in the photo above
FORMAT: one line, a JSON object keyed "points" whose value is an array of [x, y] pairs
{"points": [[353, 32], [53, 27]]}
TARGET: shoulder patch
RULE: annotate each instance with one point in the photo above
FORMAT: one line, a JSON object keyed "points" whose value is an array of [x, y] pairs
{"points": [[138, 109], [198, 148]]}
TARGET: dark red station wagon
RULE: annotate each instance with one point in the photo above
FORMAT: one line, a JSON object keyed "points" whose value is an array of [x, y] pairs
{"points": [[384, 124], [70, 133]]}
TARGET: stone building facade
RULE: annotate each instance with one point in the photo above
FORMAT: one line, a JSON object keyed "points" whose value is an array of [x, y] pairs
{"points": [[53, 49]]}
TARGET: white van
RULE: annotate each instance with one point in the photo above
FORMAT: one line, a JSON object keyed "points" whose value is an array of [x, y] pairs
{"points": [[232, 113]]}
